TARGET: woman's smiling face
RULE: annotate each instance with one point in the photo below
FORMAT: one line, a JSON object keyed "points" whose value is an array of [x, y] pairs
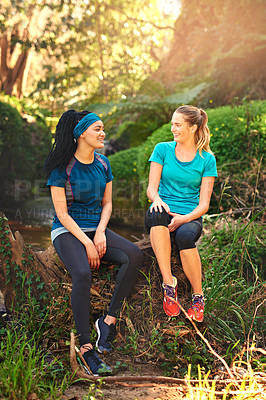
{"points": [[94, 135], [182, 131]]}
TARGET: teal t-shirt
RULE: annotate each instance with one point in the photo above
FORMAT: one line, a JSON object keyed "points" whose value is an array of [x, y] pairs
{"points": [[180, 181], [84, 186]]}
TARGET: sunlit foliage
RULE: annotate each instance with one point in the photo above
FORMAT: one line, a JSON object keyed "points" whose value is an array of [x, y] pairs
{"points": [[83, 49]]}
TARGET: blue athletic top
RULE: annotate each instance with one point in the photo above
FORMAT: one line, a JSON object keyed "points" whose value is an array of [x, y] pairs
{"points": [[180, 181], [84, 185]]}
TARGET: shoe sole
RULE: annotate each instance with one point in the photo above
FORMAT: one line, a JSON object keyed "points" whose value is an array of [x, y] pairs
{"points": [[97, 341], [98, 332], [172, 315], [195, 319]]}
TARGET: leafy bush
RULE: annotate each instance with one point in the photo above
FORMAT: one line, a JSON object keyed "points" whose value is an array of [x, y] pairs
{"points": [[25, 105], [23, 147], [238, 132], [143, 111], [124, 165], [10, 125], [132, 134]]}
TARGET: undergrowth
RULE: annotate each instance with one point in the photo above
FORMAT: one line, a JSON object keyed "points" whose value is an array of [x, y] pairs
{"points": [[24, 369], [34, 351]]}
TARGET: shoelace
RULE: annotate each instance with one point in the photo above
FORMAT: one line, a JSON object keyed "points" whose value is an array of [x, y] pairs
{"points": [[111, 333], [197, 302], [94, 359], [170, 293]]}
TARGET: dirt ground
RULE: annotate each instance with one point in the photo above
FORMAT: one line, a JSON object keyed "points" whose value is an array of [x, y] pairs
{"points": [[118, 392], [129, 391]]}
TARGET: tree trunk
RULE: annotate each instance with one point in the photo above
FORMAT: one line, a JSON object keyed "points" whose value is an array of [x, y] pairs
{"points": [[22, 269], [12, 73], [10, 77]]}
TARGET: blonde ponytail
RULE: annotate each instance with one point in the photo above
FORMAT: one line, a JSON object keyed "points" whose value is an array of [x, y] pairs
{"points": [[197, 116], [202, 135]]}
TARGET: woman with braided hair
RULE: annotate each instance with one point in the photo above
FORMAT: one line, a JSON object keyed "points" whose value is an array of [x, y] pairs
{"points": [[182, 174], [80, 181]]}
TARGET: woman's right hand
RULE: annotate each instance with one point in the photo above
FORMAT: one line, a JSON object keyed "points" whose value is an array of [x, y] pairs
{"points": [[158, 205], [92, 254], [152, 190]]}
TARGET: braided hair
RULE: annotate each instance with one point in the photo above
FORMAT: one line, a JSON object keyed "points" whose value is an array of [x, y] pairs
{"points": [[65, 145]]}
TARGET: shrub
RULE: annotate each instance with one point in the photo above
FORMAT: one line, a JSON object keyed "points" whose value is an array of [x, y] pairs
{"points": [[23, 147], [237, 133], [141, 116], [132, 134], [124, 164], [10, 126]]}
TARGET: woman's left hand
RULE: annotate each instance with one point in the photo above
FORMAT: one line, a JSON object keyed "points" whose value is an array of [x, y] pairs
{"points": [[100, 243], [176, 221]]}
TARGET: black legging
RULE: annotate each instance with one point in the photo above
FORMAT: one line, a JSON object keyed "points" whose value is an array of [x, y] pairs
{"points": [[185, 236], [119, 251]]}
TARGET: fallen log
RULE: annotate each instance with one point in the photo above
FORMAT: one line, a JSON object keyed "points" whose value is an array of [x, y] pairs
{"points": [[22, 269], [81, 375]]}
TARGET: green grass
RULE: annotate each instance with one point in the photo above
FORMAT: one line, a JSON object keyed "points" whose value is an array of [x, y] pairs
{"points": [[24, 371]]}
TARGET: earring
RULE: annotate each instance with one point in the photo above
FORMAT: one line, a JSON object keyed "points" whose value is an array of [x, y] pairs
{"points": [[75, 140]]}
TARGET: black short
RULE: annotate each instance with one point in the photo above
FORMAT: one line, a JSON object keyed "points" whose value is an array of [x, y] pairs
{"points": [[185, 236]]}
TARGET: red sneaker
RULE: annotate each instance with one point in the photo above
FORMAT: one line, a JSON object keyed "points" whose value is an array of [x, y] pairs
{"points": [[170, 302], [196, 310]]}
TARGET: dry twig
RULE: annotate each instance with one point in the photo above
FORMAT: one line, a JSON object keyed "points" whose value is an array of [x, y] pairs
{"points": [[254, 316], [209, 346]]}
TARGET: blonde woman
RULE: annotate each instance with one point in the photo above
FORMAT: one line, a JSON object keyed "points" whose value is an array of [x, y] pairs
{"points": [[182, 174]]}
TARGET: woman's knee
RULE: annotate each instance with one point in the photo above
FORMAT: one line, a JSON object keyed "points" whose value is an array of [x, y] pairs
{"points": [[134, 254], [185, 240], [82, 276], [156, 218]]}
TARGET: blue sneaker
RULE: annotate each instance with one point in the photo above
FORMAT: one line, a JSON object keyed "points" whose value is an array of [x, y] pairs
{"points": [[96, 365], [106, 335]]}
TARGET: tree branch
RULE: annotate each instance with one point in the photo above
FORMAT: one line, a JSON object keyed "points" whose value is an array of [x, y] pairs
{"points": [[4, 51]]}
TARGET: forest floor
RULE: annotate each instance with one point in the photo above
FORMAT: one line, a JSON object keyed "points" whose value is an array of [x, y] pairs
{"points": [[116, 392]]}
